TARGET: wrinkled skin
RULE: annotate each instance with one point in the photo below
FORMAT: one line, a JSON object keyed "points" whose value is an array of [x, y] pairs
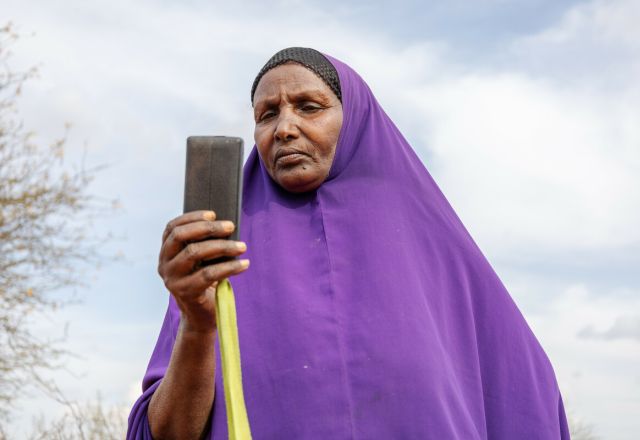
{"points": [[299, 117]]}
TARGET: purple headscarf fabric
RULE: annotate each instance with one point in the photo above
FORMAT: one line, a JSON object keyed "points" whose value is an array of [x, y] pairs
{"points": [[368, 311]]}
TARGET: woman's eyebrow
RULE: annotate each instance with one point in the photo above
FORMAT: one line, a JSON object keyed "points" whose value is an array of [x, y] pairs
{"points": [[266, 102], [311, 94], [304, 95]]}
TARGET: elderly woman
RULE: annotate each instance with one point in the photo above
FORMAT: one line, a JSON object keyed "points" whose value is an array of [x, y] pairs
{"points": [[368, 311]]}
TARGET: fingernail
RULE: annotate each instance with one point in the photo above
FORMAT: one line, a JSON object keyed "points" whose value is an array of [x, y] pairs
{"points": [[244, 264], [210, 215], [241, 246], [227, 225]]}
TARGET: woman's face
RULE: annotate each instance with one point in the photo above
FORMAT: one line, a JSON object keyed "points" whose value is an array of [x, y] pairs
{"points": [[298, 120]]}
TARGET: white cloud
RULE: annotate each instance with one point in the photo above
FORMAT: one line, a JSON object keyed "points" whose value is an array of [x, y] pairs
{"points": [[531, 165], [595, 44], [597, 22], [598, 376], [624, 327]]}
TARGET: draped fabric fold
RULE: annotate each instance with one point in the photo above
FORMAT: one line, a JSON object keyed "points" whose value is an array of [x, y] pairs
{"points": [[369, 312]]}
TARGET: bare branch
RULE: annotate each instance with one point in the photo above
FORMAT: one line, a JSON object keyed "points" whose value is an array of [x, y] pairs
{"points": [[46, 244]]}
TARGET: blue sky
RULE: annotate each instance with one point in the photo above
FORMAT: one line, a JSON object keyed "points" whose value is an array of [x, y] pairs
{"points": [[524, 112]]}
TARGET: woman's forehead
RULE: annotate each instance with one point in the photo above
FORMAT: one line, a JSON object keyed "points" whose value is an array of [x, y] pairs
{"points": [[292, 79]]}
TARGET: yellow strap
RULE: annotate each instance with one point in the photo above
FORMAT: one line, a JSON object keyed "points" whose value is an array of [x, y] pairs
{"points": [[237, 421]]}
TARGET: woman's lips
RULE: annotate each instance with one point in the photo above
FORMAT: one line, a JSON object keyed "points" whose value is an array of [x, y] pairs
{"points": [[290, 158]]}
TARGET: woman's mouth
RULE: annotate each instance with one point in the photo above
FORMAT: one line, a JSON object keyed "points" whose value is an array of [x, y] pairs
{"points": [[289, 156]]}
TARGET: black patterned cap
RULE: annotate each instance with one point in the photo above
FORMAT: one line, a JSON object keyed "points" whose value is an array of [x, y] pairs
{"points": [[309, 58]]}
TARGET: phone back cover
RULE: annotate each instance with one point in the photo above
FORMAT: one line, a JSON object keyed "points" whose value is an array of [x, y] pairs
{"points": [[213, 178]]}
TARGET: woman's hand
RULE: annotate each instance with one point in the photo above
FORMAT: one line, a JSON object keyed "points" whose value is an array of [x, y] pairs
{"points": [[187, 241]]}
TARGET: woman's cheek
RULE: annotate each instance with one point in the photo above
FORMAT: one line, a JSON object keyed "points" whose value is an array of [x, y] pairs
{"points": [[262, 142]]}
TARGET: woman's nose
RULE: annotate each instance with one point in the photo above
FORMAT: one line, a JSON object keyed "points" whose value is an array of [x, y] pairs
{"points": [[287, 128]]}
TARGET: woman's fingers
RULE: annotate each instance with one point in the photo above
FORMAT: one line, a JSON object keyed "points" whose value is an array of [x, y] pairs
{"points": [[180, 236], [189, 217], [187, 241], [199, 281], [195, 253]]}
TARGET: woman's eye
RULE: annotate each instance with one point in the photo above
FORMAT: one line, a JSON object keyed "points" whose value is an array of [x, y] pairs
{"points": [[309, 107], [266, 115]]}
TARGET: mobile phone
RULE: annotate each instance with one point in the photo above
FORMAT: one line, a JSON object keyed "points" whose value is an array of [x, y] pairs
{"points": [[213, 179]]}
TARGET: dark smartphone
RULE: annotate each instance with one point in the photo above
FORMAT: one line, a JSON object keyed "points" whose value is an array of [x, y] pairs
{"points": [[213, 179]]}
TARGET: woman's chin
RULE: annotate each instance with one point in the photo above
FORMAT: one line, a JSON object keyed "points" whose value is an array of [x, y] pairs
{"points": [[298, 179]]}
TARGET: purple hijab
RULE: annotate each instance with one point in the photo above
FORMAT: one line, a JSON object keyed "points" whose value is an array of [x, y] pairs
{"points": [[368, 311]]}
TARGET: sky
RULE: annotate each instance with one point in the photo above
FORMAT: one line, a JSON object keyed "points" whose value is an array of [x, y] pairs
{"points": [[525, 113]]}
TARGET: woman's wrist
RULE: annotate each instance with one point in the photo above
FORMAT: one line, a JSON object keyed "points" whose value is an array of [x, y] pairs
{"points": [[200, 328], [196, 317]]}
